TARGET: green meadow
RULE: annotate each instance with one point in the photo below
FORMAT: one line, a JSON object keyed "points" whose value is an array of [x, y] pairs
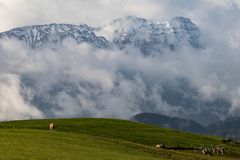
{"points": [[103, 139]]}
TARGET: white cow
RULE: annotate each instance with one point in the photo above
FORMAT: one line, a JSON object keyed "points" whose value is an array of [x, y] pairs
{"points": [[160, 146], [52, 126], [208, 151]]}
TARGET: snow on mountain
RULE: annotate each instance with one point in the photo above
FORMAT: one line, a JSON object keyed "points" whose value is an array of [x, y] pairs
{"points": [[52, 34], [150, 37], [184, 28]]}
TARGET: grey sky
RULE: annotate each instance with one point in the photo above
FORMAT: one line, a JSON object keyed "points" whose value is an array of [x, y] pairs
{"points": [[14, 13]]}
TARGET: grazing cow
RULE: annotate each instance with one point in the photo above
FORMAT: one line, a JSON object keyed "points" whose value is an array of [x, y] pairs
{"points": [[219, 149], [208, 151], [160, 146], [52, 126]]}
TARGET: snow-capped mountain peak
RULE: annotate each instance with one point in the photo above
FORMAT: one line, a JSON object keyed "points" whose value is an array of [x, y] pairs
{"points": [[52, 34], [184, 27], [148, 36]]}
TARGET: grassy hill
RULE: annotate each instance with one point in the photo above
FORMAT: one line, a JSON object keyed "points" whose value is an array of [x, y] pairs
{"points": [[98, 139]]}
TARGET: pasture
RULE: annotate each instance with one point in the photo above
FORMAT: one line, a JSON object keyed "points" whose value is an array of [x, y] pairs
{"points": [[90, 139]]}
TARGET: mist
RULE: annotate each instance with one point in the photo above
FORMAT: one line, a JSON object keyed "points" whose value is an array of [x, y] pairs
{"points": [[78, 80]]}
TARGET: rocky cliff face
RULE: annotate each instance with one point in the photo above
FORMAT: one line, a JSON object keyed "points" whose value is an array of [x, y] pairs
{"points": [[151, 37], [53, 34], [148, 36]]}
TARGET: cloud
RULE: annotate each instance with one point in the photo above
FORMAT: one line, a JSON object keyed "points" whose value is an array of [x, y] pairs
{"points": [[78, 80], [95, 13], [216, 18], [12, 105]]}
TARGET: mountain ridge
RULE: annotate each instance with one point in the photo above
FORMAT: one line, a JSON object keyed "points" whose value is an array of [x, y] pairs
{"points": [[39, 35], [150, 37], [227, 128], [170, 122]]}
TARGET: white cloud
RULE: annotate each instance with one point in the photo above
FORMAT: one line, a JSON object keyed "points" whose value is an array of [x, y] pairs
{"points": [[12, 105], [100, 12], [95, 13]]}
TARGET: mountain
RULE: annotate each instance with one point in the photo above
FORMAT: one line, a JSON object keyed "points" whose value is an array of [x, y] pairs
{"points": [[228, 128], [181, 93], [170, 122], [151, 37], [49, 35], [148, 36]]}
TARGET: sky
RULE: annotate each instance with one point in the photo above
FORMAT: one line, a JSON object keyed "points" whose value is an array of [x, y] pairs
{"points": [[214, 70], [99, 12]]}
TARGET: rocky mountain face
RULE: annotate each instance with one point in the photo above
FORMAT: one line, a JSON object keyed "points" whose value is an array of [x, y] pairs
{"points": [[53, 34], [150, 37]]}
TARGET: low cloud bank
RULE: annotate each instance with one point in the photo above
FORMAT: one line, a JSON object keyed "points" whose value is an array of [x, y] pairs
{"points": [[76, 80]]}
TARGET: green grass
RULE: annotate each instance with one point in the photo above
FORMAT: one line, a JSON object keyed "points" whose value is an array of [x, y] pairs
{"points": [[100, 139], [35, 144]]}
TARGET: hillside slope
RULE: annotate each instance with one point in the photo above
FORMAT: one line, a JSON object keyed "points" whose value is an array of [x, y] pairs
{"points": [[100, 139], [36, 144]]}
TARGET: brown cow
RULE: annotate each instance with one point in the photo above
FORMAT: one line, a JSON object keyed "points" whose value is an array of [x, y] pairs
{"points": [[219, 149], [52, 126]]}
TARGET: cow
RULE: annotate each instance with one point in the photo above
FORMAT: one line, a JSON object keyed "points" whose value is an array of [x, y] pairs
{"points": [[208, 151], [160, 146], [52, 126], [219, 149]]}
